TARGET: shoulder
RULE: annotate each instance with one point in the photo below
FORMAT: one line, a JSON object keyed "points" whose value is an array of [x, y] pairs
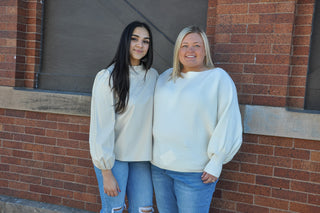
{"points": [[104, 75], [153, 72], [166, 74], [220, 74]]}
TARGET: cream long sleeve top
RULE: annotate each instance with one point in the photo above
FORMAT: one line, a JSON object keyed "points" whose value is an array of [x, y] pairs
{"points": [[197, 122], [126, 136]]}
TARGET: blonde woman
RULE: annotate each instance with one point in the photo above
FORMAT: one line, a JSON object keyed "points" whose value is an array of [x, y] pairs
{"points": [[197, 126]]}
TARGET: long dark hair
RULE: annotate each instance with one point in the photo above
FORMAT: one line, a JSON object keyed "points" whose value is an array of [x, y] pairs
{"points": [[120, 74]]}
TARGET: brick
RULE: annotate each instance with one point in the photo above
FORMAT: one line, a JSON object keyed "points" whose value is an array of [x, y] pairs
{"points": [[285, 7], [232, 9], [40, 189], [300, 207], [307, 144], [62, 193], [262, 8], [303, 20], [267, 69], [292, 174], [238, 28], [239, 197], [292, 153], [50, 199], [224, 204], [241, 207], [305, 187], [30, 179], [68, 143], [18, 185], [35, 131], [229, 48], [274, 161], [78, 153], [257, 48], [274, 39], [276, 18], [86, 180], [56, 133], [22, 154], [55, 150], [278, 90], [45, 140], [272, 59], [222, 38], [243, 39], [87, 197], [256, 169], [75, 187], [52, 183], [64, 176], [304, 9], [85, 162], [315, 156], [273, 182], [254, 189], [235, 176], [234, 58], [78, 136], [271, 202], [314, 199], [289, 195], [53, 166], [297, 81], [20, 169], [66, 160], [255, 89], [245, 157], [76, 170], [15, 113]]}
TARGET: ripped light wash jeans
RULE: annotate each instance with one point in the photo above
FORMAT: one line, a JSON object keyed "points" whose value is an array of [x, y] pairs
{"points": [[182, 192], [134, 180]]}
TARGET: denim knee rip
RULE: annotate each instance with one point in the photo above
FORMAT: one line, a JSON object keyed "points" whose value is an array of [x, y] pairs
{"points": [[146, 209]]}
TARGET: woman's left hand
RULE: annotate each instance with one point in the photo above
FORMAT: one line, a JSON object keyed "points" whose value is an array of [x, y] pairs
{"points": [[207, 178]]}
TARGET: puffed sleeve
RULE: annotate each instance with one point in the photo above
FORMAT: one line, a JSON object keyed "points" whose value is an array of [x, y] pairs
{"points": [[102, 122], [226, 138]]}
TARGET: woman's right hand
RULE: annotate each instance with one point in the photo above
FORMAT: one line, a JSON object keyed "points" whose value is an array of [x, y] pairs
{"points": [[110, 184]]}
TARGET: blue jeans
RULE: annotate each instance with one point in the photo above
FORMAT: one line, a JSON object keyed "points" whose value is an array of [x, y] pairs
{"points": [[134, 180], [182, 192]]}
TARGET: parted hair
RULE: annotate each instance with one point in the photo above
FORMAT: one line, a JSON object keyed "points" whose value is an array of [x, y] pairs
{"points": [[120, 75], [177, 66]]}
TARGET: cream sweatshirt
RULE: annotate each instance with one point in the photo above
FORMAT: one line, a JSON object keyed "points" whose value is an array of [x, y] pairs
{"points": [[126, 136], [197, 122]]}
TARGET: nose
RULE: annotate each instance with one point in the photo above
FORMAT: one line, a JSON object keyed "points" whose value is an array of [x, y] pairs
{"points": [[139, 43]]}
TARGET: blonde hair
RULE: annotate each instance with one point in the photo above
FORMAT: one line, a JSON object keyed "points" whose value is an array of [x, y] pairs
{"points": [[176, 62]]}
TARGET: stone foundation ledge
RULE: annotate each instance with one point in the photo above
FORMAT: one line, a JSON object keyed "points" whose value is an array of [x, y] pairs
{"points": [[17, 205]]}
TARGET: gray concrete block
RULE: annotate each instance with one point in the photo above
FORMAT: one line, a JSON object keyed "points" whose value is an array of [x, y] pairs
{"points": [[16, 205]]}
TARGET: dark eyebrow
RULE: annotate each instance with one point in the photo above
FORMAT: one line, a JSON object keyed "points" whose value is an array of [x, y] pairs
{"points": [[139, 36]]}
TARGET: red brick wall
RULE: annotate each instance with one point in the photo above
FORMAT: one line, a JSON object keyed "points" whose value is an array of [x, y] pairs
{"points": [[20, 36], [45, 157], [271, 174], [264, 46]]}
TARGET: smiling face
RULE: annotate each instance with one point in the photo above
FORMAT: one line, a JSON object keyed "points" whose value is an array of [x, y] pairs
{"points": [[192, 53], [139, 45]]}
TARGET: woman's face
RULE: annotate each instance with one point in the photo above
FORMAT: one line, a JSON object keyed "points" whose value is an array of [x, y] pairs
{"points": [[139, 45], [192, 53]]}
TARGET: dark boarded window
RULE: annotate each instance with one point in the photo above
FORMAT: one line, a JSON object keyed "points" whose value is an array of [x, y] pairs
{"points": [[312, 100], [81, 36]]}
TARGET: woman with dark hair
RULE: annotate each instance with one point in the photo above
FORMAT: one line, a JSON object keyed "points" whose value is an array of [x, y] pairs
{"points": [[121, 123]]}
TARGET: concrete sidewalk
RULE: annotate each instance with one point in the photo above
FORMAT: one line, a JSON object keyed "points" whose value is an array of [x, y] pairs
{"points": [[16, 205]]}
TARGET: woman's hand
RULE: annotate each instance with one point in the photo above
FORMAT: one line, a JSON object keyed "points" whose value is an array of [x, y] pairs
{"points": [[207, 178], [110, 184]]}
